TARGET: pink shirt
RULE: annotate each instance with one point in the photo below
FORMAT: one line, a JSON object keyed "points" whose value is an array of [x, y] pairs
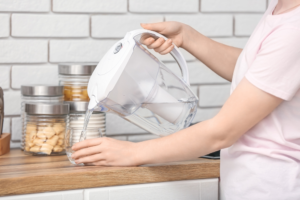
{"points": [[265, 162]]}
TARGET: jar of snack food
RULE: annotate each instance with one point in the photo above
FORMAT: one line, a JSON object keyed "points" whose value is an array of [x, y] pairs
{"points": [[39, 94], [96, 123], [45, 128], [75, 78]]}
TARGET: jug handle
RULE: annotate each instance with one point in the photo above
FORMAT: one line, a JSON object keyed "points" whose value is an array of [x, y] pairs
{"points": [[176, 54]]}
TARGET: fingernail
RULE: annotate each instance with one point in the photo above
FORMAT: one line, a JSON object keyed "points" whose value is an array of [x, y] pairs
{"points": [[144, 24]]}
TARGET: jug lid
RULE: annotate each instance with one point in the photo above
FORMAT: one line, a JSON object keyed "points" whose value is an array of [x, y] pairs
{"points": [[42, 90], [76, 69]]}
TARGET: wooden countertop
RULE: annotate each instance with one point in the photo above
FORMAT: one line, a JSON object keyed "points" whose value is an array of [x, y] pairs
{"points": [[23, 174]]}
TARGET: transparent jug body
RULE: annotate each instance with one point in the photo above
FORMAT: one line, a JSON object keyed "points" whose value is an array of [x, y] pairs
{"points": [[151, 96]]}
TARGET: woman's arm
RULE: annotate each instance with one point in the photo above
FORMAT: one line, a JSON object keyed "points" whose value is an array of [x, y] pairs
{"points": [[245, 107], [218, 57]]}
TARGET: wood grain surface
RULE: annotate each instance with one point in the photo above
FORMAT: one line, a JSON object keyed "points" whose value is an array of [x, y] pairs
{"points": [[4, 143], [23, 174]]}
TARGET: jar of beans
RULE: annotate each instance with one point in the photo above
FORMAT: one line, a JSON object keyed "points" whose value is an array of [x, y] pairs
{"points": [[75, 78], [45, 128]]}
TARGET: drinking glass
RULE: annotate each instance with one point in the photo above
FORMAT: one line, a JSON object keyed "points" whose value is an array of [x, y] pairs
{"points": [[72, 137]]}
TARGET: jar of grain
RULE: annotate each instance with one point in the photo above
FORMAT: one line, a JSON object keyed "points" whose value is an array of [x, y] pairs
{"points": [[38, 94], [96, 127], [45, 127], [75, 78]]}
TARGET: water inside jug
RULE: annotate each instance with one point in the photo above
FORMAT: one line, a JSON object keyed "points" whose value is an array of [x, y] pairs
{"points": [[145, 92]]}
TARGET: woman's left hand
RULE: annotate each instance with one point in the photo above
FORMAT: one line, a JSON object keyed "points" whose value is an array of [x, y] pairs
{"points": [[105, 152]]}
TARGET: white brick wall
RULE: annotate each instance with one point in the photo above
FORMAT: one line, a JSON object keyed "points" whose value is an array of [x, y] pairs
{"points": [[25, 5], [246, 23], [165, 6], [233, 5], [35, 35], [209, 25], [23, 51], [40, 25], [4, 24], [116, 26], [90, 6]]}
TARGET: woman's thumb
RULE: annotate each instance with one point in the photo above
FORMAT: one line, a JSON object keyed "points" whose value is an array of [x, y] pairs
{"points": [[157, 27]]}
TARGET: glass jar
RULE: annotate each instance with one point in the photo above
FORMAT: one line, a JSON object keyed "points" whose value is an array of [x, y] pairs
{"points": [[45, 127], [77, 114], [75, 78], [39, 94]]}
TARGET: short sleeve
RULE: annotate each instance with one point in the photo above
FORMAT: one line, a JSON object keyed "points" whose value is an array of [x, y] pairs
{"points": [[276, 68]]}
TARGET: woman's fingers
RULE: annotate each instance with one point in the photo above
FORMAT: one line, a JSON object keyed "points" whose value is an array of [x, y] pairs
{"points": [[156, 44], [168, 50], [147, 40], [90, 159], [86, 152], [86, 143], [164, 46]]}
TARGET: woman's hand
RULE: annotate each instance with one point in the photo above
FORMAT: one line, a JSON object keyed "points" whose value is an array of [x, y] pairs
{"points": [[172, 30], [105, 152]]}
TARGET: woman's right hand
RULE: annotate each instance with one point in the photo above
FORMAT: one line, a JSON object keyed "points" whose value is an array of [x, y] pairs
{"points": [[172, 30]]}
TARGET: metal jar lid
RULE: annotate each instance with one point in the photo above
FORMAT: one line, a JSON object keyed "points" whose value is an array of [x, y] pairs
{"points": [[42, 90], [77, 69], [47, 109], [79, 106]]}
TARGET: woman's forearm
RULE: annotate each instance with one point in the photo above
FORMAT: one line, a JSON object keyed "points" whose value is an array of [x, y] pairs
{"points": [[190, 143], [218, 57]]}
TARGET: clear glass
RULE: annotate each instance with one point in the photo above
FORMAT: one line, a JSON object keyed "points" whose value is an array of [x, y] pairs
{"points": [[97, 120], [75, 87], [36, 100], [72, 136], [151, 96], [45, 134]]}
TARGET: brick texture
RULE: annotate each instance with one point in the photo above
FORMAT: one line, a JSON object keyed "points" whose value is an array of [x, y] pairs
{"points": [[213, 95], [36, 35], [246, 23], [233, 5], [40, 74], [23, 51], [116, 26], [78, 50], [165, 6], [5, 77], [5, 25], [209, 25], [25, 5], [50, 25], [90, 6], [12, 101]]}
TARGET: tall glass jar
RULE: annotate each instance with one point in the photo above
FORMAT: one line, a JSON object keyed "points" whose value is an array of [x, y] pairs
{"points": [[96, 125], [39, 94], [75, 78], [45, 128]]}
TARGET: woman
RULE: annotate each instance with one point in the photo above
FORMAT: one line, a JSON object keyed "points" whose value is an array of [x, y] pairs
{"points": [[258, 128]]}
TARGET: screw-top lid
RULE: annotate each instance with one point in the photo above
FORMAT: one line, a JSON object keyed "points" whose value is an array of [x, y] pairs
{"points": [[42, 90], [79, 106], [77, 69], [47, 109]]}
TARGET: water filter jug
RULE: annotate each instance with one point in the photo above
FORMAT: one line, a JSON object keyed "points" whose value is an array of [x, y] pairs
{"points": [[134, 84]]}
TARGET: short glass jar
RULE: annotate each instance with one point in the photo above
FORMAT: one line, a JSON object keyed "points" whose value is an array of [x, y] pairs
{"points": [[39, 94], [75, 78], [45, 128], [97, 122]]}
